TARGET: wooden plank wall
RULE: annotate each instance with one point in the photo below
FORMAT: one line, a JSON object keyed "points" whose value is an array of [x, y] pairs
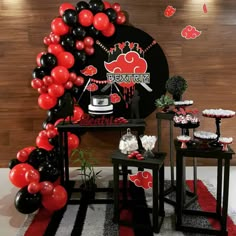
{"points": [[207, 63]]}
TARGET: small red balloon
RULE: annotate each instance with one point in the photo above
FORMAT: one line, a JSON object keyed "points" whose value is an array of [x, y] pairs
{"points": [[39, 57], [56, 90], [43, 143], [106, 5], [73, 141], [78, 114], [79, 45], [51, 133], [36, 83], [89, 50], [46, 40], [79, 81], [116, 6], [32, 176], [33, 187], [121, 18], [22, 155], [59, 27], [68, 85], [48, 80], [109, 31], [43, 89], [46, 187], [73, 76], [55, 38], [88, 41]]}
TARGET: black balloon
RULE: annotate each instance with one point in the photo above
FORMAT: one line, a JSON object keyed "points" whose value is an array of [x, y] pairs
{"points": [[81, 5], [48, 172], [68, 42], [79, 32], [80, 57], [39, 72], [48, 61], [96, 6], [93, 32], [26, 202], [13, 162], [37, 157], [70, 17], [111, 13]]}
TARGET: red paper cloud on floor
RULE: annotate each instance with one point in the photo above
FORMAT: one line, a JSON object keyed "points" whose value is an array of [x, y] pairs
{"points": [[169, 11], [190, 32], [142, 179]]}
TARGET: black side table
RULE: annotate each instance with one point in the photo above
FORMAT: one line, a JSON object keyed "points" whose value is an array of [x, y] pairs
{"points": [[222, 181], [156, 164], [63, 129]]}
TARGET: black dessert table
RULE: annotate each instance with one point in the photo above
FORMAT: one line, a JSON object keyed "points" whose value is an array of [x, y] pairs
{"points": [[137, 125], [156, 164], [220, 213]]}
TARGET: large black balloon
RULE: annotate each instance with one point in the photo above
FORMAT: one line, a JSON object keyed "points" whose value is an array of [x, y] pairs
{"points": [[13, 162], [48, 171], [80, 57], [39, 72], [96, 6], [37, 157], [79, 32], [81, 5], [68, 42], [111, 13], [48, 61], [70, 17], [26, 202]]}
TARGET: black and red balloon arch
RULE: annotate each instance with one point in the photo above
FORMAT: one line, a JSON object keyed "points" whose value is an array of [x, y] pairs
{"points": [[79, 37]]}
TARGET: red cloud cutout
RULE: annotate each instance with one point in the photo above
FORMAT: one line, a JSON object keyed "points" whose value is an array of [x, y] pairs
{"points": [[89, 70], [169, 11], [92, 87], [142, 179], [190, 32]]}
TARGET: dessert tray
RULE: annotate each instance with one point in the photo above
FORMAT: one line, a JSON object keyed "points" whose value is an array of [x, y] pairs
{"points": [[225, 141], [205, 135], [183, 139], [218, 113]]}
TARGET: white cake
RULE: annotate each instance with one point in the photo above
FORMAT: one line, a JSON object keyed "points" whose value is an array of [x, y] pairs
{"points": [[100, 105]]}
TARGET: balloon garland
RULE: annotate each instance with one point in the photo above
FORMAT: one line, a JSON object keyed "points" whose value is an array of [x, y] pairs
{"points": [[35, 170]]}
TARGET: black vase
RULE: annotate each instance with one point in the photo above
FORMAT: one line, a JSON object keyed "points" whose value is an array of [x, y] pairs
{"points": [[88, 191]]}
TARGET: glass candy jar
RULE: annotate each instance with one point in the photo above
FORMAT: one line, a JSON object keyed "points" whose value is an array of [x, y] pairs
{"points": [[128, 143]]}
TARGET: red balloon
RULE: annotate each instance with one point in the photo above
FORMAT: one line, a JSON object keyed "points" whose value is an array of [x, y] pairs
{"points": [[56, 90], [88, 41], [43, 134], [46, 102], [43, 89], [85, 17], [33, 187], [38, 58], [73, 76], [68, 85], [50, 126], [55, 49], [60, 74], [36, 83], [58, 121], [65, 6], [48, 80], [17, 174], [78, 114], [121, 18], [32, 176], [107, 5], [22, 155], [55, 38], [46, 187], [79, 81], [89, 50], [65, 59], [43, 143], [59, 27], [46, 40], [73, 141], [56, 200], [52, 133], [109, 31], [29, 149], [101, 21], [116, 6], [79, 45]]}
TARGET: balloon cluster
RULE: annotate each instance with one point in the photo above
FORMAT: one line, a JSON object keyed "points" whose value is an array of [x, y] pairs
{"points": [[35, 170]]}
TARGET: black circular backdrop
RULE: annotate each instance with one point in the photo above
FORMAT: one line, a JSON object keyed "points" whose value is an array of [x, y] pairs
{"points": [[157, 67]]}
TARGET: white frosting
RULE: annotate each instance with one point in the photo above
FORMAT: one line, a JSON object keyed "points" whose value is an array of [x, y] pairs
{"points": [[218, 112], [225, 140], [185, 102], [183, 138], [205, 135]]}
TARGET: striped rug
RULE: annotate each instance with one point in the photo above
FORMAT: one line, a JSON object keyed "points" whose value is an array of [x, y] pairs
{"points": [[96, 219]]}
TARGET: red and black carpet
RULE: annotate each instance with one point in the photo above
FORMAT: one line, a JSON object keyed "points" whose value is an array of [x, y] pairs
{"points": [[96, 219]]}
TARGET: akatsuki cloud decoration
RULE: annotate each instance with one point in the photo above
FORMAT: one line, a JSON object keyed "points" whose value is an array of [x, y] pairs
{"points": [[59, 77]]}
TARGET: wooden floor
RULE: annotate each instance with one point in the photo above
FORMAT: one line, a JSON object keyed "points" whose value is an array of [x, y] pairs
{"points": [[207, 63]]}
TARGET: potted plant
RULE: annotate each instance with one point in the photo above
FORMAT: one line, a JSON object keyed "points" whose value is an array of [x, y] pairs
{"points": [[176, 85], [86, 172], [164, 102]]}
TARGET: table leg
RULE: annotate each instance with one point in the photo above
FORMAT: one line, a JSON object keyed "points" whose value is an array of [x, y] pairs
{"points": [[225, 195], [116, 192], [124, 185], [155, 197], [179, 189], [219, 187], [66, 159], [161, 195], [171, 154]]}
